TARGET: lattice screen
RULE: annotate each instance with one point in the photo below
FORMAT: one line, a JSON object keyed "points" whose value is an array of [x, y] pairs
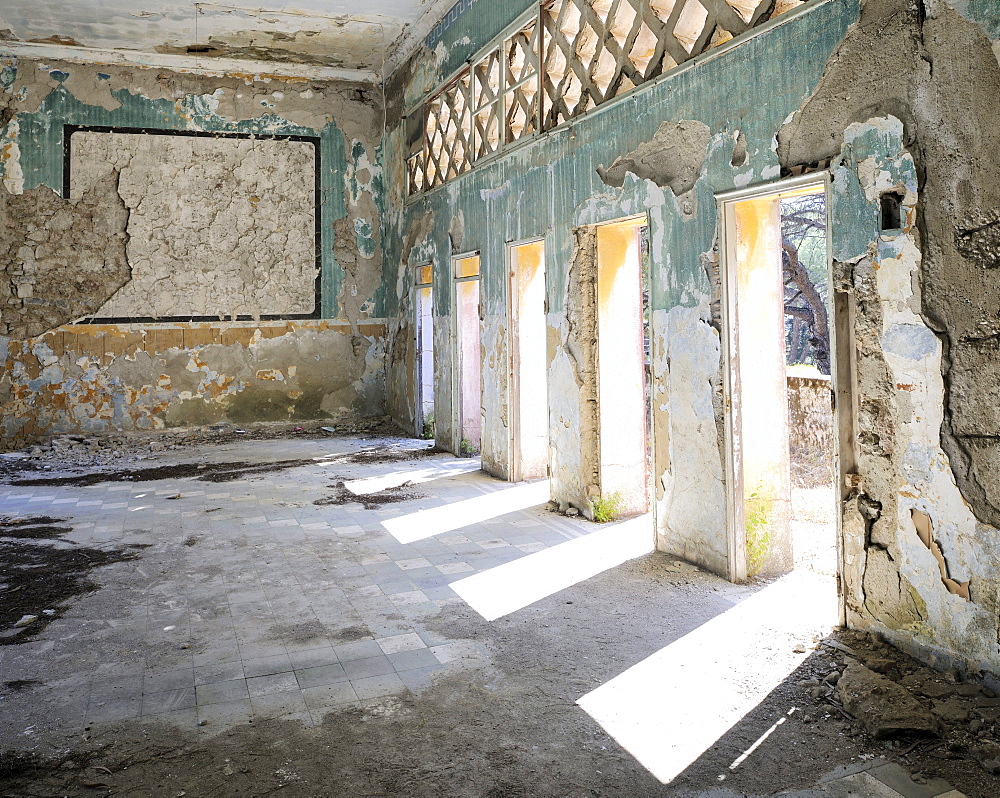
{"points": [[521, 52], [577, 55]]}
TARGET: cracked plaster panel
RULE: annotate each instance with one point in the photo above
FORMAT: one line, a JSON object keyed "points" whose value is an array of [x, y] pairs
{"points": [[690, 480], [60, 259], [936, 71], [217, 227], [495, 359], [97, 378]]}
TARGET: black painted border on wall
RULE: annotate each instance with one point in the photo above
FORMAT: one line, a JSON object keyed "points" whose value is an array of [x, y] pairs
{"points": [[69, 130]]}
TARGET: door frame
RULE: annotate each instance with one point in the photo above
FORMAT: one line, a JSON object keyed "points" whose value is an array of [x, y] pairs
{"points": [[457, 400], [515, 473], [839, 382], [418, 287]]}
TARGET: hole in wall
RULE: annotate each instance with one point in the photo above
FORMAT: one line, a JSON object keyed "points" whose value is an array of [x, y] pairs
{"points": [[892, 211]]}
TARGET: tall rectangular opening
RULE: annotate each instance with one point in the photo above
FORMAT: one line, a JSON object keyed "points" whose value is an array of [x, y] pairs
{"points": [[468, 365], [529, 417], [424, 325], [780, 372], [622, 354]]}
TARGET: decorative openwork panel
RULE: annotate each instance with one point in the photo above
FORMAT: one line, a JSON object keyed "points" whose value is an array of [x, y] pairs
{"points": [[575, 56], [486, 114], [521, 71], [448, 132], [597, 49]]}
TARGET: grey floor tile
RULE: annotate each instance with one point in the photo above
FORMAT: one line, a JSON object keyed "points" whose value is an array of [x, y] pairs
{"points": [[168, 701], [330, 695], [359, 649], [322, 675], [279, 705], [372, 666], [155, 681], [899, 779], [313, 657], [221, 692], [272, 683], [265, 666], [378, 686], [412, 660], [419, 678], [220, 672]]}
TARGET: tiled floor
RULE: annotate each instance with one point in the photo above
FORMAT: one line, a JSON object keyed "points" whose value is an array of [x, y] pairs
{"points": [[266, 605], [876, 779], [249, 601]]}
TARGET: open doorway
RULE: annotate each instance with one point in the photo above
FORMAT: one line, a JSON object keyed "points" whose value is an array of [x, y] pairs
{"points": [[529, 406], [468, 369], [424, 326], [623, 355], [780, 352]]}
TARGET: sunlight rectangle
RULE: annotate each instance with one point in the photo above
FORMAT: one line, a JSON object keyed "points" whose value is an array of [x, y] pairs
{"points": [[437, 520], [509, 587], [673, 706]]}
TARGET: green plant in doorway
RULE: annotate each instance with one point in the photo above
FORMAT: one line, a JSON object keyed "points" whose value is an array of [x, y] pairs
{"points": [[606, 508], [467, 449], [428, 431], [758, 507]]}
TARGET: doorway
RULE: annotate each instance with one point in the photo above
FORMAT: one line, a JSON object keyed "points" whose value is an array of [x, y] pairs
{"points": [[424, 324], [468, 368], [529, 406], [780, 375], [623, 346]]}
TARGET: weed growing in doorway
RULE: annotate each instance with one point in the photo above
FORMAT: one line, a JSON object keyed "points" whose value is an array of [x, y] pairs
{"points": [[467, 449], [428, 431], [606, 508], [757, 509]]}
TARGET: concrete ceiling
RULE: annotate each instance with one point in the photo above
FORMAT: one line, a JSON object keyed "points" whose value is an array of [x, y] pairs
{"points": [[332, 38]]}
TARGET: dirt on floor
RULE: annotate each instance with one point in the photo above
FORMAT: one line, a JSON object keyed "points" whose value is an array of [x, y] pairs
{"points": [[505, 724], [40, 573], [373, 500], [511, 727]]}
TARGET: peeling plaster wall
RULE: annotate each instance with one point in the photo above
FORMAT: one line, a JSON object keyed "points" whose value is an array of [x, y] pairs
{"points": [[910, 101], [183, 374], [681, 134], [902, 96], [97, 378]]}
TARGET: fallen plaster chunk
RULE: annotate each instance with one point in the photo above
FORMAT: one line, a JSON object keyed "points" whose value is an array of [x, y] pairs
{"points": [[885, 708]]}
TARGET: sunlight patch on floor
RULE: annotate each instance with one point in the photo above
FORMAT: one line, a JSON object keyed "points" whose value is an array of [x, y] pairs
{"points": [[446, 518], [414, 476], [673, 706], [514, 585]]}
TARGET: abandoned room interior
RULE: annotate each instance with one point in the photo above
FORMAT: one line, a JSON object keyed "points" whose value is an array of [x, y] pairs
{"points": [[523, 398]]}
